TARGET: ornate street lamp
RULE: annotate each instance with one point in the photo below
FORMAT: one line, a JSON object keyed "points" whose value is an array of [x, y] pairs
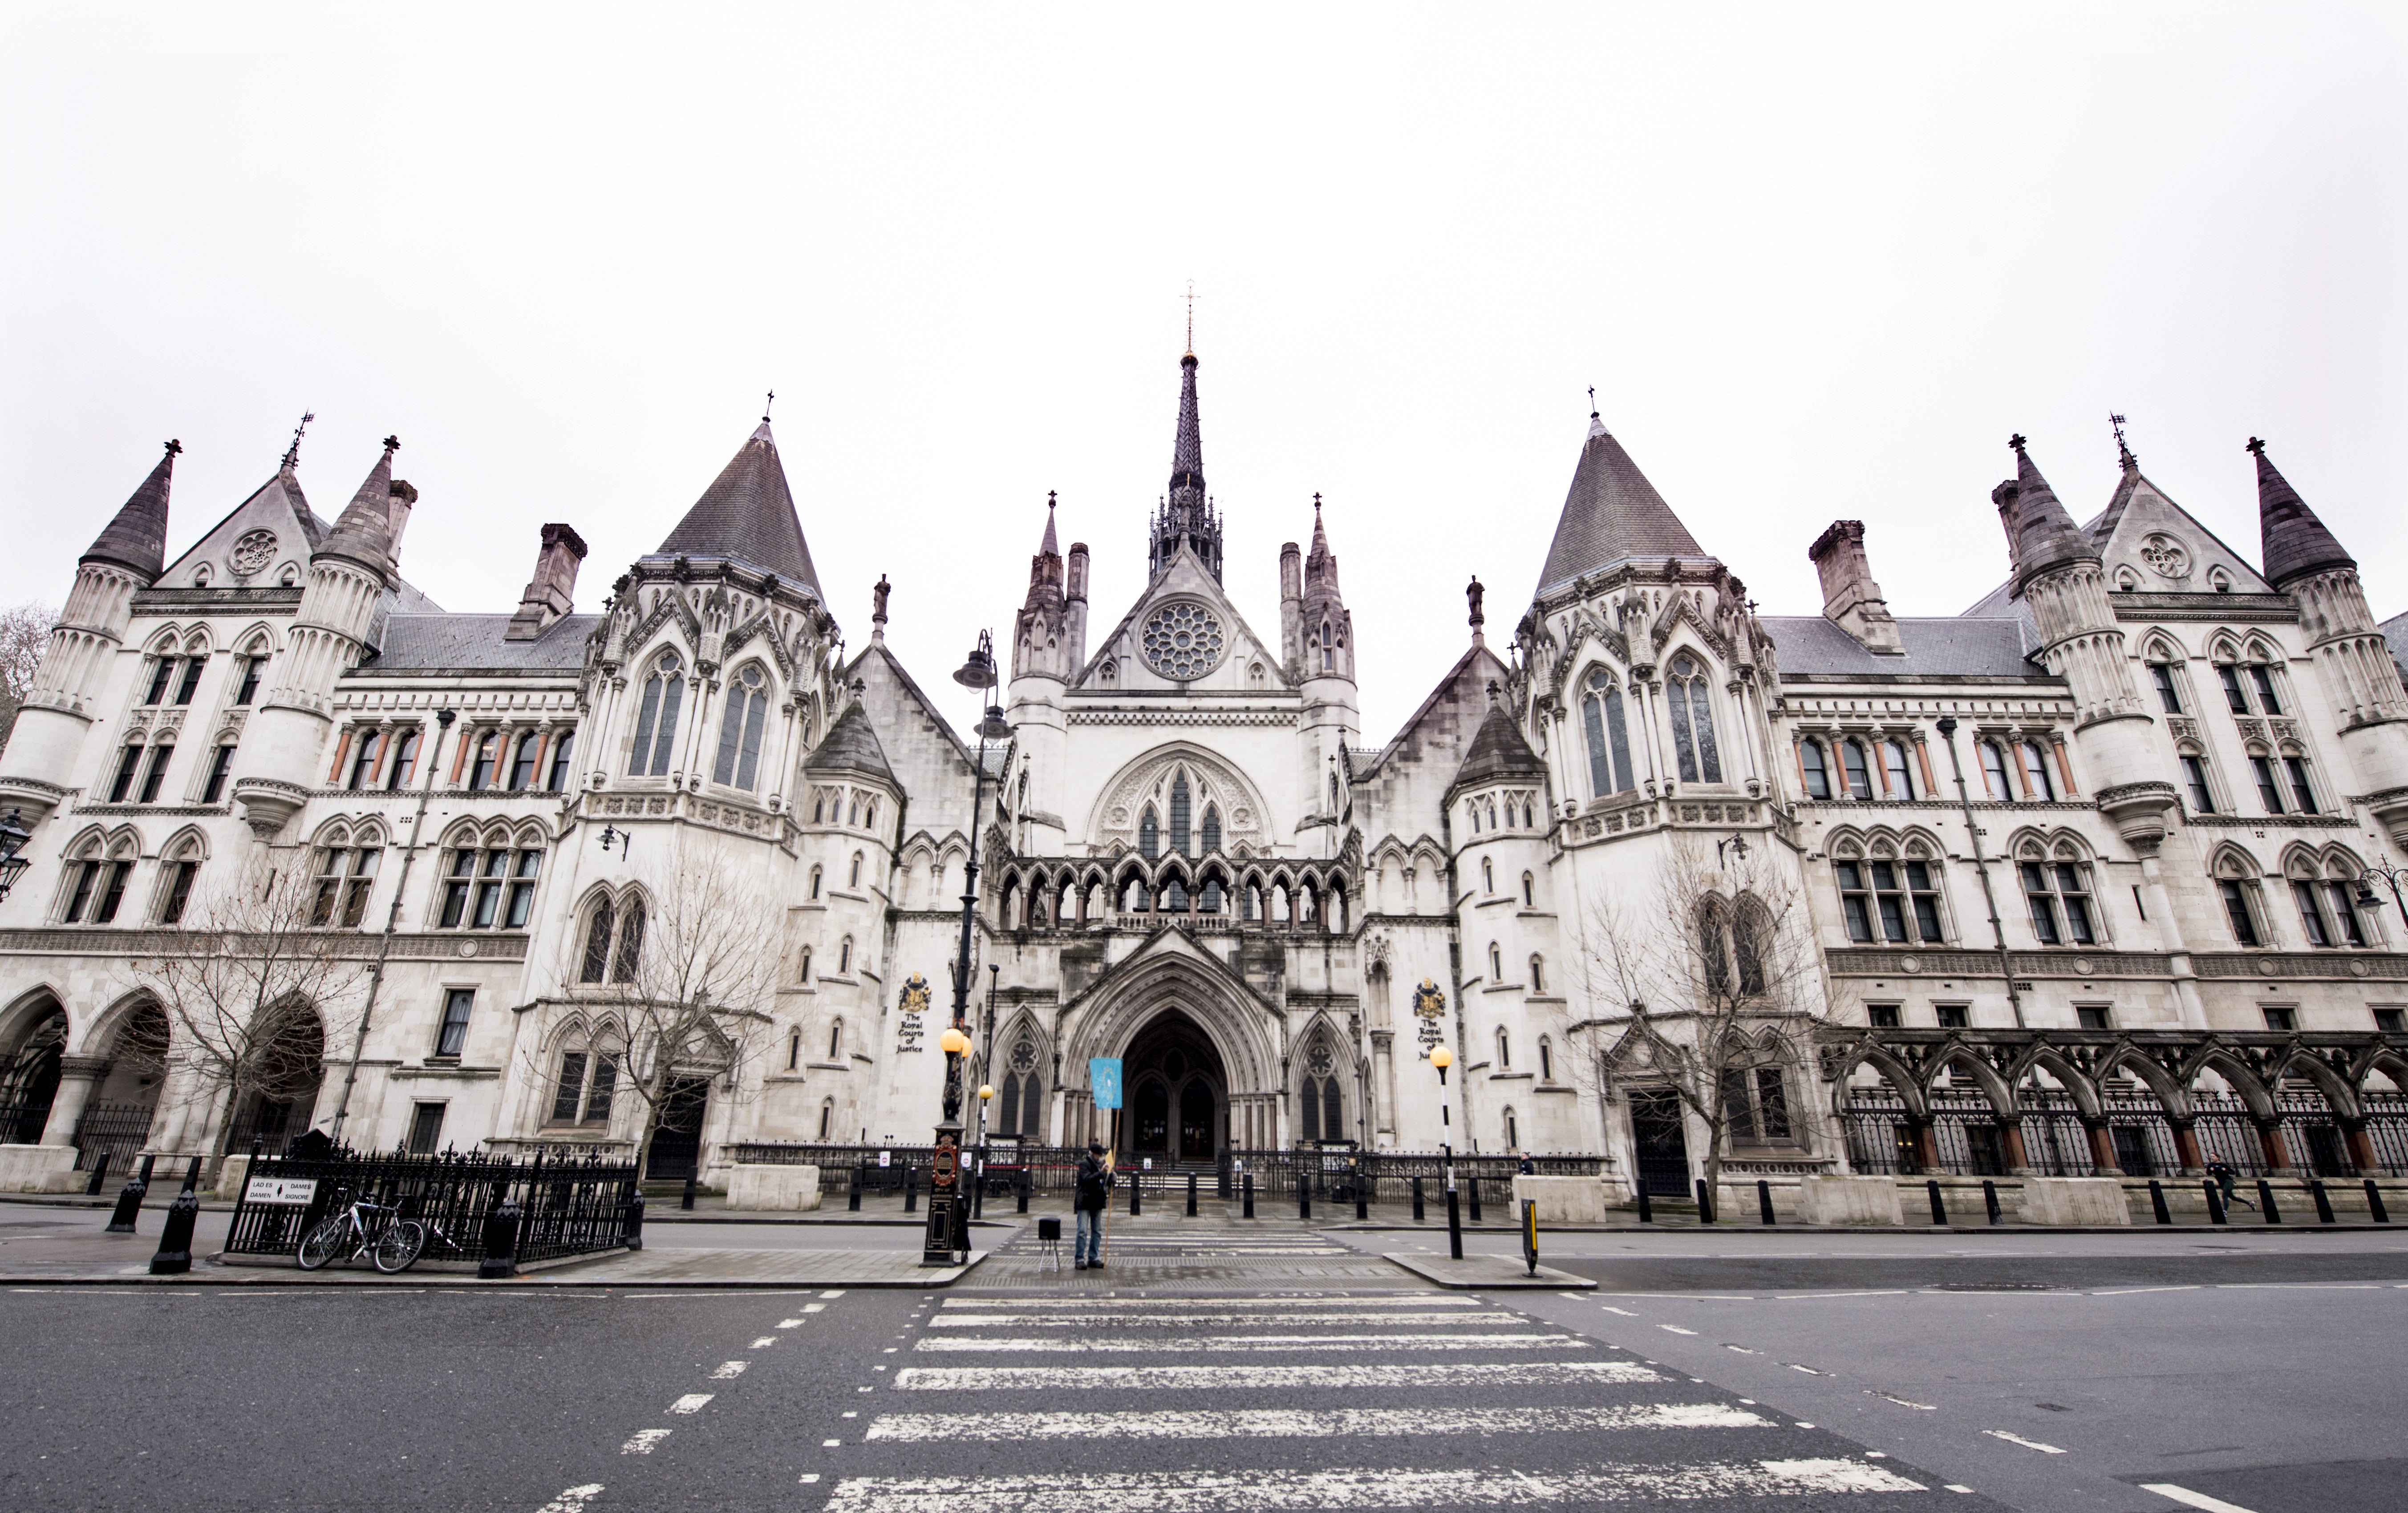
{"points": [[2393, 877], [13, 836], [947, 1242], [1442, 1057]]}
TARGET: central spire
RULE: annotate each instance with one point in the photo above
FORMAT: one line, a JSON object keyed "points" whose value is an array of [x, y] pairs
{"points": [[1187, 512]]}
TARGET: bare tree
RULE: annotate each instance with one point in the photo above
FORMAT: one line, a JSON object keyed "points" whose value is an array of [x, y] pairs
{"points": [[1723, 941], [25, 633], [251, 993], [690, 982]]}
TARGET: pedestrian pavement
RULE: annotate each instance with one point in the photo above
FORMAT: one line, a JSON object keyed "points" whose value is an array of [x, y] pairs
{"points": [[1130, 1401]]}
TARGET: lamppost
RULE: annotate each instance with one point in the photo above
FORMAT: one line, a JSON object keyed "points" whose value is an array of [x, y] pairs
{"points": [[2396, 878], [985, 1091], [13, 836], [1442, 1057], [947, 1242]]}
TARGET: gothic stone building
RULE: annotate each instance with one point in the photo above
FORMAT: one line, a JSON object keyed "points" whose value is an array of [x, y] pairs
{"points": [[2096, 842]]}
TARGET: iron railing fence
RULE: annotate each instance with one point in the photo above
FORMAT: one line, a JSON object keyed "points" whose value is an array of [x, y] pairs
{"points": [[566, 1208], [20, 1123], [1970, 1139], [112, 1132]]}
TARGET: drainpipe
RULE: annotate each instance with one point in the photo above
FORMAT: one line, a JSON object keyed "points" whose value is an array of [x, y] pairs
{"points": [[443, 719], [1974, 835]]}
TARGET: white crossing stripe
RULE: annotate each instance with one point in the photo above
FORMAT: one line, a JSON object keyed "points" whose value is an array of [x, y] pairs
{"points": [[1385, 1300], [642, 1441], [690, 1403], [2028, 1444], [1295, 1424], [977, 1320], [1370, 1487], [573, 1500], [1221, 1343], [729, 1369], [1185, 1378], [2191, 1499]]}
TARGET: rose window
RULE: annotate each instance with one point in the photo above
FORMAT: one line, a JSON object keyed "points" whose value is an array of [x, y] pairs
{"points": [[253, 550], [1183, 641]]}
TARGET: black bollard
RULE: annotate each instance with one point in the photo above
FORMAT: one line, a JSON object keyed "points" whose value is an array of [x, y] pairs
{"points": [[852, 1190], [99, 1178], [1705, 1203], [1764, 1199], [1304, 1194], [1646, 1209], [129, 1199], [2215, 1214], [910, 1190], [2157, 1202], [1191, 1194], [1022, 1201], [1137, 1193], [634, 1223], [1454, 1224], [1473, 1183], [1990, 1201], [175, 1253], [501, 1256], [1939, 1204], [686, 1202], [1249, 1185], [2324, 1202], [978, 1190], [2266, 1201], [2374, 1203], [1362, 1196], [1417, 1199]]}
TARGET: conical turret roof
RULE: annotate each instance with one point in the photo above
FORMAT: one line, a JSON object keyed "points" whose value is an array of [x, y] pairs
{"points": [[1498, 750], [748, 516], [850, 744], [2296, 544], [136, 540], [363, 532], [2039, 531], [1610, 514]]}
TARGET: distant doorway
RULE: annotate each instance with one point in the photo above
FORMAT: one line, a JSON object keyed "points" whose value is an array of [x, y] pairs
{"points": [[1178, 1095], [1658, 1143], [677, 1145]]}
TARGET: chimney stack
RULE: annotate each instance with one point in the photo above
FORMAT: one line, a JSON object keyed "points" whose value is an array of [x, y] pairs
{"points": [[551, 595], [1851, 599]]}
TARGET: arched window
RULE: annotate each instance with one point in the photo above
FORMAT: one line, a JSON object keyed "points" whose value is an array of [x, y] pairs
{"points": [[480, 768], [184, 865], [98, 885], [740, 729], [1512, 1130], [804, 976], [597, 962], [1733, 939], [815, 884], [1472, 813], [2303, 789], [1328, 648], [1504, 1051], [1496, 963], [1903, 896], [2194, 771], [1179, 815], [1212, 829], [346, 875], [853, 880], [220, 768], [1818, 773], [1487, 875], [525, 750], [827, 1116], [587, 1082], [818, 807], [1896, 771], [836, 1040], [795, 1050], [855, 816], [369, 746], [2036, 771], [2161, 675], [405, 761], [492, 888], [1538, 975], [2059, 892], [1546, 1061], [844, 957], [1529, 891], [1148, 835], [1859, 774], [2236, 885], [1994, 772], [656, 718], [557, 781], [1693, 722], [631, 943], [2270, 790], [1609, 737]]}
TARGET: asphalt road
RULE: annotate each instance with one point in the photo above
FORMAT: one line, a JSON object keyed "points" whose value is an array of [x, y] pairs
{"points": [[1058, 1390]]}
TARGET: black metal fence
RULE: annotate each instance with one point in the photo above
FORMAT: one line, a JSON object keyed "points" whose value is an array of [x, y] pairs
{"points": [[1970, 1139], [566, 1208], [112, 1132]]}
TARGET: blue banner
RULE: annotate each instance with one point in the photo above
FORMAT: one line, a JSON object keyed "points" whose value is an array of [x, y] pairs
{"points": [[1104, 1076]]}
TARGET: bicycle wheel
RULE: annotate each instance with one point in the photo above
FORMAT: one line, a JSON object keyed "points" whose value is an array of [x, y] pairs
{"points": [[331, 1238], [397, 1248]]}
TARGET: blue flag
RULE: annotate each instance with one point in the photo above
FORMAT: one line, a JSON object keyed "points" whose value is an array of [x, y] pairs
{"points": [[1104, 1076]]}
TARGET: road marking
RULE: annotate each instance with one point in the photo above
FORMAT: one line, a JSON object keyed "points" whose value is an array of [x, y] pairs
{"points": [[2125, 1292], [729, 1370], [1299, 1423], [642, 1441], [1904, 1402], [817, 1307], [1676, 1329], [790, 1323], [1194, 1491], [573, 1500], [1742, 1350], [1624, 1312], [831, 1293], [1879, 1293], [1141, 1378], [810, 1477], [1952, 1487], [852, 1415], [1045, 1321], [1223, 1344], [763, 1343], [1808, 1370], [2299, 1287], [830, 1444], [1385, 1300], [2028, 1444], [2191, 1499], [690, 1403]]}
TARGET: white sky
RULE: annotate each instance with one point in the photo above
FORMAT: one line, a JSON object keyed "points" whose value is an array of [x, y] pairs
{"points": [[1818, 262]]}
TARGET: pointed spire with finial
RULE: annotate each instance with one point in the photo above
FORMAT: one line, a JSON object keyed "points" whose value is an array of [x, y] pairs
{"points": [[362, 533], [2041, 535], [136, 538], [2296, 545], [1187, 511], [1050, 546], [2122, 453], [293, 452]]}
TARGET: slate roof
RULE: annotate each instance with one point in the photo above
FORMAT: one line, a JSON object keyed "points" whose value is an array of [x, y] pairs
{"points": [[2043, 535], [2297, 543], [1498, 750], [747, 515], [850, 746], [475, 643], [1956, 645], [137, 538], [1613, 513]]}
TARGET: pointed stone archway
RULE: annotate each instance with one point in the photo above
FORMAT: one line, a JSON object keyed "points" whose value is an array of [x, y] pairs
{"points": [[1177, 1091], [1171, 996]]}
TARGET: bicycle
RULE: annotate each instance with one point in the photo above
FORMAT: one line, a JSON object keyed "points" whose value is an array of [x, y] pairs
{"points": [[391, 1243]]}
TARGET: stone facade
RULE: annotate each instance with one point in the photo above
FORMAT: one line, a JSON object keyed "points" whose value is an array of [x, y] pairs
{"points": [[2105, 829]]}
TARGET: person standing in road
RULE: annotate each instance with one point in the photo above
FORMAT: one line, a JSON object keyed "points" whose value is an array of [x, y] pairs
{"points": [[1094, 1190]]}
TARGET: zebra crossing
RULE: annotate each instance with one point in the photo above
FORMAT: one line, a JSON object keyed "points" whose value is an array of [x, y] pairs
{"points": [[1150, 1404]]}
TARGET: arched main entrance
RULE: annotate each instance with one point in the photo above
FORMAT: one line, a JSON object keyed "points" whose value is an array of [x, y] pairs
{"points": [[1177, 1091]]}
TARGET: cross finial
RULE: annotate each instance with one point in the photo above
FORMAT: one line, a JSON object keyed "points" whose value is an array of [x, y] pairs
{"points": [[765, 405], [2122, 453], [2016, 441], [2256, 447], [1592, 402], [1190, 317], [392, 443], [292, 453], [1050, 497], [173, 446], [1317, 507]]}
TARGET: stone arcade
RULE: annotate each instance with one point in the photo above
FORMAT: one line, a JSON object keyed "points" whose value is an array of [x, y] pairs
{"points": [[2142, 914]]}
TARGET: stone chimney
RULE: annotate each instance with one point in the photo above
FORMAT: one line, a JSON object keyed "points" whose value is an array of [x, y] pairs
{"points": [[1851, 599], [402, 497], [552, 594]]}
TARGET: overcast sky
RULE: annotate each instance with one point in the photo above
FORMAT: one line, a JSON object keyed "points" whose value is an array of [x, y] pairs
{"points": [[1818, 261]]}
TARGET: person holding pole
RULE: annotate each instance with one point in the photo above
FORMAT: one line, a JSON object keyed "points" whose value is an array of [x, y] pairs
{"points": [[1095, 1192]]}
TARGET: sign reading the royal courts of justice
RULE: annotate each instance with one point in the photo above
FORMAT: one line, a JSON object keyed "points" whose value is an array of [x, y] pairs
{"points": [[1430, 1006], [910, 1006]]}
